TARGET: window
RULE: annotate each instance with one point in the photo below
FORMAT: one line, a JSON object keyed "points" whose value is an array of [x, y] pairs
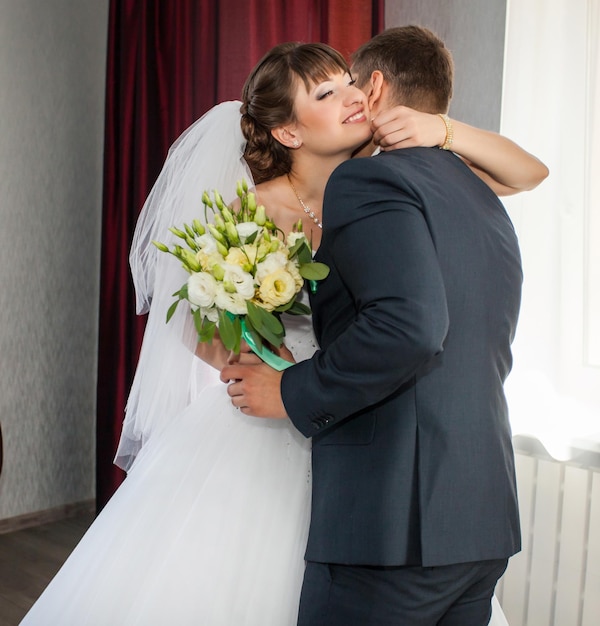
{"points": [[551, 106]]}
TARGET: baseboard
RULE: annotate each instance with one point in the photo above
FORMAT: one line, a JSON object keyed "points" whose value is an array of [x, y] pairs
{"points": [[46, 516]]}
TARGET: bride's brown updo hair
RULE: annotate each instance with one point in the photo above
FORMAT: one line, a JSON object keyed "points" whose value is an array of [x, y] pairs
{"points": [[268, 100]]}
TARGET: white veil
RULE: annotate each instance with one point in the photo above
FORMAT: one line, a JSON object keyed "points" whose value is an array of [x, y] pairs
{"points": [[207, 156]]}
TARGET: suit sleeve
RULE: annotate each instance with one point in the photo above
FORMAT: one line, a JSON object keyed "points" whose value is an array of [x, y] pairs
{"points": [[384, 255]]}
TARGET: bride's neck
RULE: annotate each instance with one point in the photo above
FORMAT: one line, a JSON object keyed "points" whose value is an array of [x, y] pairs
{"points": [[311, 175]]}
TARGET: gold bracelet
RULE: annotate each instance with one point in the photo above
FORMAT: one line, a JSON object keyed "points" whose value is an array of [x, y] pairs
{"points": [[449, 132]]}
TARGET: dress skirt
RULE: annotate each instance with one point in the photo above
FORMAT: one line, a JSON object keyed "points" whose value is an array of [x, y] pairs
{"points": [[209, 528]]}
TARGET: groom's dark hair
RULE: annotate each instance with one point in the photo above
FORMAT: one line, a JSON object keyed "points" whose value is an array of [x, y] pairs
{"points": [[414, 62]]}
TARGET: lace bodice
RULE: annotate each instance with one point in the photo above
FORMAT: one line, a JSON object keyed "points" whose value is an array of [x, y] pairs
{"points": [[299, 336]]}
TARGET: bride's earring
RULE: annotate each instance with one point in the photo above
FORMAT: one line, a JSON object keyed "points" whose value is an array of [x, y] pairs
{"points": [[286, 137]]}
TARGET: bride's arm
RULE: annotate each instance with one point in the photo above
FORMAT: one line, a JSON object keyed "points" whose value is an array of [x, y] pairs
{"points": [[500, 162], [214, 353]]}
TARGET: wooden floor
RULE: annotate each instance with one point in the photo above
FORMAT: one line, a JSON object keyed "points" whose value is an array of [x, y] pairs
{"points": [[29, 559]]}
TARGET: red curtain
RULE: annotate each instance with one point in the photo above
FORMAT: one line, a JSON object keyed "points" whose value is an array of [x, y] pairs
{"points": [[169, 62]]}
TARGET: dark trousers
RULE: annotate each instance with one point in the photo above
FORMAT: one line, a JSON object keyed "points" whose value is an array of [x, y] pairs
{"points": [[451, 595]]}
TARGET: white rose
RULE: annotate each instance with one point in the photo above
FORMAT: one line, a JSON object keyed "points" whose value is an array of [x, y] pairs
{"points": [[243, 281], [293, 238], [251, 252], [273, 262], [232, 302], [246, 229], [277, 288], [207, 260], [235, 256], [202, 289], [211, 314], [244, 256], [207, 243], [292, 268]]}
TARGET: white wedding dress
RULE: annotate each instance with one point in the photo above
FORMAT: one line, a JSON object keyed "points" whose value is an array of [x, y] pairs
{"points": [[210, 526]]}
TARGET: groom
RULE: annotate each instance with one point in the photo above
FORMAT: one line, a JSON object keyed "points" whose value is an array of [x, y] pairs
{"points": [[414, 510]]}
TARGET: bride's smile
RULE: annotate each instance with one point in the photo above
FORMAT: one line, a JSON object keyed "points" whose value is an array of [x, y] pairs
{"points": [[331, 115]]}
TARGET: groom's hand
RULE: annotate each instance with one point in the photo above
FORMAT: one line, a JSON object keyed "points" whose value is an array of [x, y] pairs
{"points": [[255, 389]]}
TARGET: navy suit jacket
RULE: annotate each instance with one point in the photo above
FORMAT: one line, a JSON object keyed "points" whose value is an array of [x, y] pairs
{"points": [[412, 454]]}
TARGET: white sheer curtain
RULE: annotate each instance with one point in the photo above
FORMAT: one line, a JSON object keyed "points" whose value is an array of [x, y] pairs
{"points": [[551, 105]]}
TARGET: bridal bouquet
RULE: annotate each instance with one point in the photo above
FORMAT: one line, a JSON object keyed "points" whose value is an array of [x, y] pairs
{"points": [[243, 273]]}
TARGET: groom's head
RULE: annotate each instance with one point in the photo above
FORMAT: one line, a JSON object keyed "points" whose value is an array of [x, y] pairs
{"points": [[407, 65]]}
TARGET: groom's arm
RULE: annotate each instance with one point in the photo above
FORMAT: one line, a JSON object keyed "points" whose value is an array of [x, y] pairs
{"points": [[382, 251]]}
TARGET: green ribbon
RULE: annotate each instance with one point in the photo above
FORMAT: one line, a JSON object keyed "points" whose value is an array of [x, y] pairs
{"points": [[268, 356]]}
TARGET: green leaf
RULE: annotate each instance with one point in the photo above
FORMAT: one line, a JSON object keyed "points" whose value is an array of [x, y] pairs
{"points": [[172, 309], [273, 339], [303, 254], [255, 335], [273, 324], [293, 307], [264, 320], [285, 307], [299, 309], [266, 324], [314, 271], [238, 335], [206, 329], [295, 248], [197, 320], [230, 330], [254, 315], [252, 237]]}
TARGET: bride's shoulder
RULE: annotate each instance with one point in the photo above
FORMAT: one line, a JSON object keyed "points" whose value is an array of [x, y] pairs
{"points": [[267, 193], [273, 194]]}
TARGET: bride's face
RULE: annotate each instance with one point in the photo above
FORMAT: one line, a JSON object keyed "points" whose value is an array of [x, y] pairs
{"points": [[332, 115]]}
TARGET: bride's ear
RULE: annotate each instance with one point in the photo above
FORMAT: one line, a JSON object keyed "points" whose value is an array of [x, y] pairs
{"points": [[287, 136]]}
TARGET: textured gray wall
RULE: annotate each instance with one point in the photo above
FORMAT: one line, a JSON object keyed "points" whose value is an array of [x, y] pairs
{"points": [[52, 74], [474, 32]]}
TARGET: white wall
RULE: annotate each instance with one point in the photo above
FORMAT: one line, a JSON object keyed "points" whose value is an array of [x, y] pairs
{"points": [[473, 30], [52, 74]]}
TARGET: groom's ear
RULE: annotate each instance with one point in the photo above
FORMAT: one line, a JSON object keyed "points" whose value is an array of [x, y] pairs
{"points": [[374, 90], [287, 136]]}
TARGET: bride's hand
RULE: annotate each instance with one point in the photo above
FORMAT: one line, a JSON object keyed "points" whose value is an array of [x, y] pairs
{"points": [[247, 357], [284, 352], [403, 127]]}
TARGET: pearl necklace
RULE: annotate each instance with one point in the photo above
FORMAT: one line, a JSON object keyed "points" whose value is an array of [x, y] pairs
{"points": [[306, 209]]}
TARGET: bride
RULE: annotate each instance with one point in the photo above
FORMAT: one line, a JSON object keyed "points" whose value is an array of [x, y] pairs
{"points": [[210, 525]]}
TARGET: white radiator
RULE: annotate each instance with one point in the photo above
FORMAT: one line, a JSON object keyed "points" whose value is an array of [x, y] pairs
{"points": [[555, 580]]}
